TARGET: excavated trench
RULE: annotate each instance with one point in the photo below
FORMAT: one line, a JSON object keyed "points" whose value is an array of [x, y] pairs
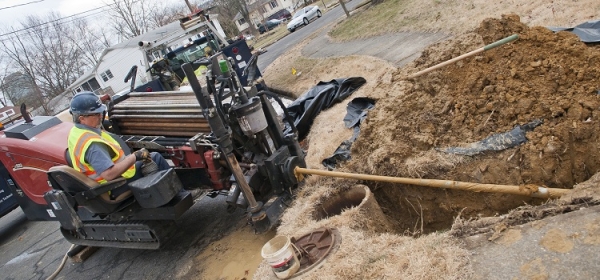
{"points": [[412, 210], [417, 210]]}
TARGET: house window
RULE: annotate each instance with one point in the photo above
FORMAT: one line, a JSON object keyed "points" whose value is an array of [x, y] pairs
{"points": [[263, 9], [107, 75], [273, 4], [94, 85], [241, 21], [7, 114]]}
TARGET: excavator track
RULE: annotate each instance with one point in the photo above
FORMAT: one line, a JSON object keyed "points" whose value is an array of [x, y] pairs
{"points": [[129, 235]]}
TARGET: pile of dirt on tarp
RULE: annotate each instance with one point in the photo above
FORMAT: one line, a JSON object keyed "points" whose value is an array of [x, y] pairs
{"points": [[543, 75]]}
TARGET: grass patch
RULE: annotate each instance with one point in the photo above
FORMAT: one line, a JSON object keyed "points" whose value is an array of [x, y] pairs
{"points": [[374, 20], [269, 37]]}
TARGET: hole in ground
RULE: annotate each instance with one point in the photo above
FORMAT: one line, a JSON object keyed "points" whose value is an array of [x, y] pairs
{"points": [[420, 210], [336, 204]]}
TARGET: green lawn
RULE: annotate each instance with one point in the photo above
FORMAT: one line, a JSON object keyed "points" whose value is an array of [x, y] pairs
{"points": [[269, 37], [369, 21]]}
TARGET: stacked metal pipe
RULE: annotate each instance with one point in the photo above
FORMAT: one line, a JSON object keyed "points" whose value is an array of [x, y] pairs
{"points": [[172, 113]]}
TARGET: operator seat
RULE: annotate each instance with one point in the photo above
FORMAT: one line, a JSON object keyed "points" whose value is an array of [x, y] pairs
{"points": [[87, 192]]}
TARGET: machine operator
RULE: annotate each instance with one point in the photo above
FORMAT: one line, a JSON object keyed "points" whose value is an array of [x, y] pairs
{"points": [[96, 153]]}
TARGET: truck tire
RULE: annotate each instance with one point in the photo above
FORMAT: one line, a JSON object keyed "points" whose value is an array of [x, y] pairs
{"points": [[318, 13], [305, 21]]}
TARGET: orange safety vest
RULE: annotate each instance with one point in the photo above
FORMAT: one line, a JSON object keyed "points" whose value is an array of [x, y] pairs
{"points": [[78, 143]]}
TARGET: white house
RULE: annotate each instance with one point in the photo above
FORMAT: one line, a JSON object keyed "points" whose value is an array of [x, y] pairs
{"points": [[116, 61], [7, 114]]}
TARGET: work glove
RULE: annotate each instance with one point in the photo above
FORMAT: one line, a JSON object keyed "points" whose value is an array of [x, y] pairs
{"points": [[142, 154]]}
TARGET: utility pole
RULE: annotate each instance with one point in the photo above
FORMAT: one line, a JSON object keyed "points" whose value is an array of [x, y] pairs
{"points": [[187, 2], [344, 7]]}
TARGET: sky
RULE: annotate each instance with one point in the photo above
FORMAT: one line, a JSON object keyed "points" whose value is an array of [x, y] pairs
{"points": [[11, 11]]}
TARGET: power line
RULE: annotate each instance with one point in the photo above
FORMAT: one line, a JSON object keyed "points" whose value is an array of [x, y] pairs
{"points": [[11, 35], [18, 5], [63, 18], [56, 20]]}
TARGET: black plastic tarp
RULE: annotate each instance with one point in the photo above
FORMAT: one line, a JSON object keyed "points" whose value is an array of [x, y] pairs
{"points": [[322, 96], [356, 112], [588, 32], [496, 142]]}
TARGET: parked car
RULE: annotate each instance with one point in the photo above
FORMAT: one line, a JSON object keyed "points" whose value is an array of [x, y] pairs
{"points": [[281, 14], [275, 21], [272, 23], [303, 17]]}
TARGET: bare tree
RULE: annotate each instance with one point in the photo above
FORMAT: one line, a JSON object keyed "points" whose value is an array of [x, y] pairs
{"points": [[23, 56], [49, 53], [17, 87], [164, 14], [4, 72], [58, 60], [235, 7], [104, 37], [88, 41], [131, 18], [226, 18], [302, 3]]}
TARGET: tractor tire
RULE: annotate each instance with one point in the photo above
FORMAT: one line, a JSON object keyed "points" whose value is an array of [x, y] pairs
{"points": [[305, 21]]}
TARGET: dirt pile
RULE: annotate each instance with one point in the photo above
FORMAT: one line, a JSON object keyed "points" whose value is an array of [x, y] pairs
{"points": [[542, 75]]}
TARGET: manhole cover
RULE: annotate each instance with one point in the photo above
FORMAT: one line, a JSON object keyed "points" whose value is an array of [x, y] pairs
{"points": [[314, 247]]}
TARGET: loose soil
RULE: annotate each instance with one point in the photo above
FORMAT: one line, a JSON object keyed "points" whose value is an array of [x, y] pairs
{"points": [[543, 75]]}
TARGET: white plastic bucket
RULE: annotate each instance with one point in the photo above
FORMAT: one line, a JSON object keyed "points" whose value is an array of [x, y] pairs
{"points": [[279, 254]]}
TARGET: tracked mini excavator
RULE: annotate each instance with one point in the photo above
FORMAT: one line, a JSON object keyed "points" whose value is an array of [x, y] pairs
{"points": [[223, 138]]}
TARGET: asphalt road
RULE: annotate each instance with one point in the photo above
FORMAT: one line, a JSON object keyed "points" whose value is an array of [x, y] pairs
{"points": [[33, 250], [284, 44]]}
